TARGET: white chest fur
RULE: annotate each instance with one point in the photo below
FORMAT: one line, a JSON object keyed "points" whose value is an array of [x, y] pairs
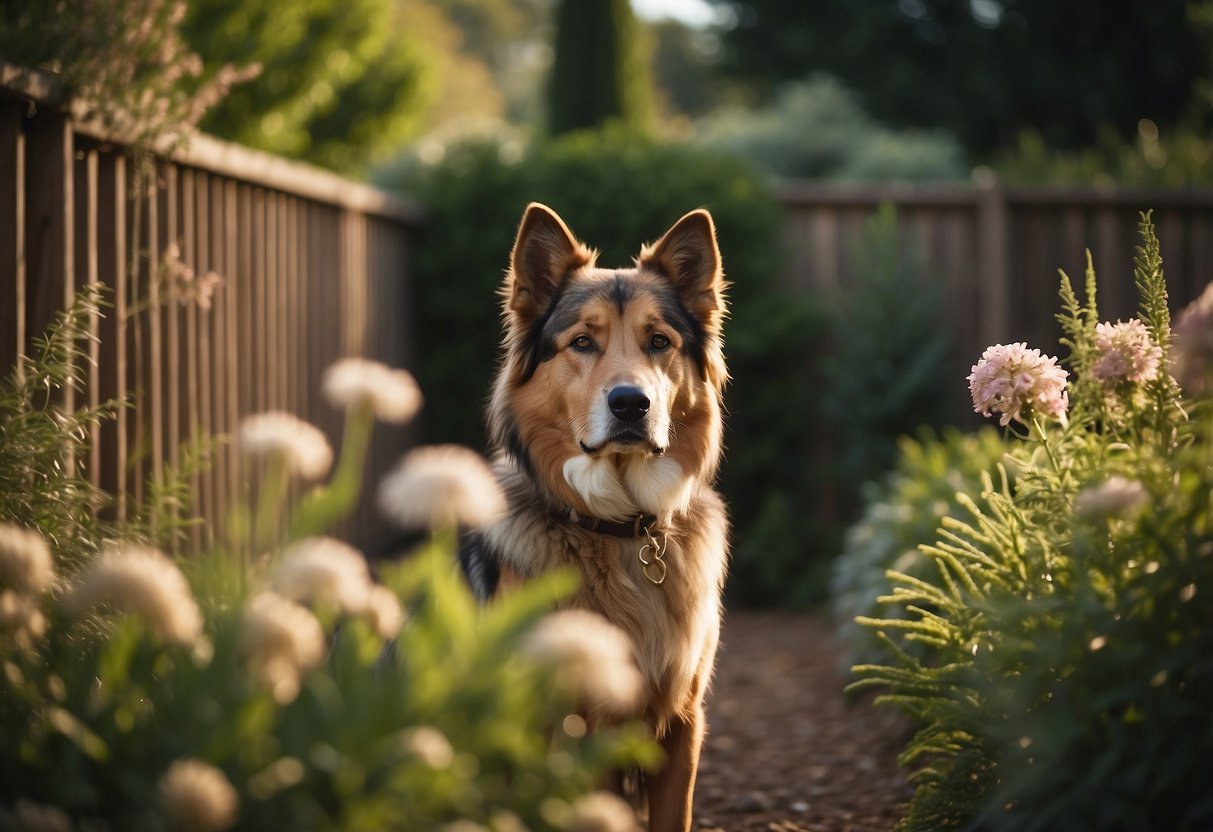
{"points": [[618, 486]]}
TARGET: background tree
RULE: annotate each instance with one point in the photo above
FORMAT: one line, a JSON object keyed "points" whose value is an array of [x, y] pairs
{"points": [[684, 61], [989, 69], [343, 82], [600, 68]]}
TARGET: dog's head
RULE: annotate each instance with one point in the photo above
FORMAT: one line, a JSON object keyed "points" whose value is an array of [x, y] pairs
{"points": [[610, 388]]}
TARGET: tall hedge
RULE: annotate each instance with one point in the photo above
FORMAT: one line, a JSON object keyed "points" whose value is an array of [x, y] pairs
{"points": [[600, 70]]}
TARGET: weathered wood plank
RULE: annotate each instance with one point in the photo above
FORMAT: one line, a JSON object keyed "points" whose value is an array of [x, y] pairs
{"points": [[12, 235]]}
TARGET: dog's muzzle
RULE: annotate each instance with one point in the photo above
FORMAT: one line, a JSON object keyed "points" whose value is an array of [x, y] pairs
{"points": [[628, 407]]}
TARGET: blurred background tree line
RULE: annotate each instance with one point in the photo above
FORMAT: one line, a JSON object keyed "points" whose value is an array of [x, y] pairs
{"points": [[840, 89], [911, 89], [622, 118]]}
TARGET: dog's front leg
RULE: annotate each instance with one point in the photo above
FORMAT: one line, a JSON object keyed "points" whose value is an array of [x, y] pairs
{"points": [[671, 790]]}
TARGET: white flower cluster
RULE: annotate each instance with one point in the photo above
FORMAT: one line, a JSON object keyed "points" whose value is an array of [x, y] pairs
{"points": [[142, 581], [280, 641], [441, 486], [302, 447], [393, 395], [197, 797], [282, 638], [327, 571], [27, 570], [592, 658]]}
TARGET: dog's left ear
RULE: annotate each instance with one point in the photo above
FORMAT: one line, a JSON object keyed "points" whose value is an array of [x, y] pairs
{"points": [[688, 256]]}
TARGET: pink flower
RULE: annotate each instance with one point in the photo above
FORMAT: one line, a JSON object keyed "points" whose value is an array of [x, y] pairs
{"points": [[1015, 381], [1126, 353], [1194, 344]]}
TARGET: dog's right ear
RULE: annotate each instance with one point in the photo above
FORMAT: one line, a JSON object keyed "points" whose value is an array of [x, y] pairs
{"points": [[544, 252]]}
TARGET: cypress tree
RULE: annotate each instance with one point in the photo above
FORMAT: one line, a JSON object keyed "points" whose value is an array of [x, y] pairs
{"points": [[600, 70]]}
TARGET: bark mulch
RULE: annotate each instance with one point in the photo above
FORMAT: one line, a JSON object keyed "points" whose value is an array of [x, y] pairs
{"points": [[786, 750]]}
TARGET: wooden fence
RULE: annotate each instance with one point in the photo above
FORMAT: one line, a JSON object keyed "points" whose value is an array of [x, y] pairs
{"points": [[995, 251], [311, 267]]}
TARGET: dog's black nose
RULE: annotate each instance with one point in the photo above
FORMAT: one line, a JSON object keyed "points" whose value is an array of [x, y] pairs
{"points": [[629, 404]]}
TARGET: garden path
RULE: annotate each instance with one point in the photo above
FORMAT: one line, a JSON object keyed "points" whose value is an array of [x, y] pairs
{"points": [[786, 750]]}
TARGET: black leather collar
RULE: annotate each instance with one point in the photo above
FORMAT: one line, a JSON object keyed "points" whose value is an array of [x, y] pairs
{"points": [[637, 526]]}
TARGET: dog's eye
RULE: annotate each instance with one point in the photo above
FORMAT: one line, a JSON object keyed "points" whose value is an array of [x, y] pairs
{"points": [[658, 342], [582, 343]]}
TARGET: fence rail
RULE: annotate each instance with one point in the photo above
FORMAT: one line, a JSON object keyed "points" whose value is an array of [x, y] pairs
{"points": [[994, 250], [312, 268]]}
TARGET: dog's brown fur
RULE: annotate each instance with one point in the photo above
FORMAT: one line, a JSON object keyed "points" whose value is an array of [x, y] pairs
{"points": [[574, 333]]}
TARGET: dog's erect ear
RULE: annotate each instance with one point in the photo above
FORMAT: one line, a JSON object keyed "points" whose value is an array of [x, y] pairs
{"points": [[544, 252], [688, 256]]}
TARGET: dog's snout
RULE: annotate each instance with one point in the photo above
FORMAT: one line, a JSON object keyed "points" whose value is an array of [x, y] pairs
{"points": [[629, 404]]}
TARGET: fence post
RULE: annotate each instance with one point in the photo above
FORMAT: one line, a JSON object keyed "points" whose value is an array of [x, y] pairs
{"points": [[993, 295], [12, 235]]}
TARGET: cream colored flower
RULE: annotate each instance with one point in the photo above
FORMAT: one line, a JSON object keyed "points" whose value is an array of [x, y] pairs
{"points": [[280, 640], [197, 797], [441, 485], [26, 564], [324, 570], [603, 812], [1114, 496], [302, 446], [142, 581], [36, 817], [21, 619], [593, 659], [383, 612], [464, 826], [393, 394], [428, 745]]}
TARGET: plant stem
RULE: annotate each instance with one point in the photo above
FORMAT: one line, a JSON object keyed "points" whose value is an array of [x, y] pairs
{"points": [[269, 504], [325, 506]]}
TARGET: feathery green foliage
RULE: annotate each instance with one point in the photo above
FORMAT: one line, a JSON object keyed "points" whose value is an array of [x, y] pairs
{"points": [[40, 482], [901, 510], [1056, 660]]}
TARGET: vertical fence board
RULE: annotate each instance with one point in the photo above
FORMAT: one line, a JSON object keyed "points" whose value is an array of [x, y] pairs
{"points": [[200, 377], [12, 235], [87, 167], [111, 231], [49, 216], [231, 332]]}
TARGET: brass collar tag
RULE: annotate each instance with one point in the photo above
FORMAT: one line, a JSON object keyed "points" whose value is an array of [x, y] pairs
{"points": [[652, 555]]}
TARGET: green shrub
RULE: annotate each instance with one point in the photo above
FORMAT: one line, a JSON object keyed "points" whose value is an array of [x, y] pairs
{"points": [[1061, 676], [1175, 157], [903, 510], [817, 129], [886, 365], [616, 191], [249, 686]]}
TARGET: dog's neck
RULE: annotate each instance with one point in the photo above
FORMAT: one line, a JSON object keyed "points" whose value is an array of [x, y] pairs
{"points": [[618, 487]]}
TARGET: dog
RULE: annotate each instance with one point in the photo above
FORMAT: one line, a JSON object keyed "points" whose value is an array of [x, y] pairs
{"points": [[606, 425]]}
